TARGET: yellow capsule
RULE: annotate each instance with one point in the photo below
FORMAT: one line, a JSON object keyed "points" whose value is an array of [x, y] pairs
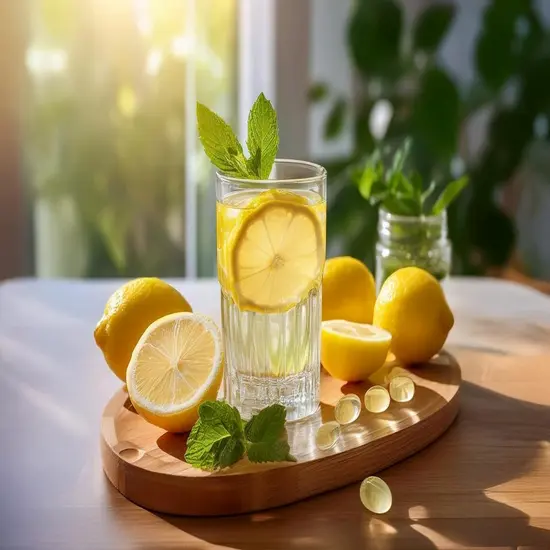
{"points": [[347, 409], [327, 435], [401, 389], [377, 399], [375, 495]]}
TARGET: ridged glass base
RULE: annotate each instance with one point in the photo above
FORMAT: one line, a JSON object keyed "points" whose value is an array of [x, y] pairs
{"points": [[273, 358]]}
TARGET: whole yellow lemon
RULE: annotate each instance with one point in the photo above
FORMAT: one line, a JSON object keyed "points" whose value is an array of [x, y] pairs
{"points": [[349, 291], [411, 306], [129, 311]]}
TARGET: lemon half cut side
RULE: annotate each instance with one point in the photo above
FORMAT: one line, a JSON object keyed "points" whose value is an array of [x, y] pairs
{"points": [[176, 365], [353, 351]]}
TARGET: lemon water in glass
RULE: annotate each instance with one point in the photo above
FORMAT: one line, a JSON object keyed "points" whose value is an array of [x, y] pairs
{"points": [[271, 251]]}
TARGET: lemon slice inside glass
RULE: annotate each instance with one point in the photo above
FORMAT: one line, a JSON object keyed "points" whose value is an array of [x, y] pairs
{"points": [[276, 253], [176, 365]]}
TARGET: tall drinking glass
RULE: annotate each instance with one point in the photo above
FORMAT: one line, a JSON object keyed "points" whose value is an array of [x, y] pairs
{"points": [[271, 252]]}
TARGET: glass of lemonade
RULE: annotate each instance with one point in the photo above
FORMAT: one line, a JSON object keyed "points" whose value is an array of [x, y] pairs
{"points": [[271, 252]]}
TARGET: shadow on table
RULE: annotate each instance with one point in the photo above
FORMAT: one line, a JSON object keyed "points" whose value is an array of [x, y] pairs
{"points": [[419, 514]]}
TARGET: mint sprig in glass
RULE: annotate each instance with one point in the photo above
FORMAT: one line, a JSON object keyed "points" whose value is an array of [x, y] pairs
{"points": [[412, 220], [226, 153], [270, 218]]}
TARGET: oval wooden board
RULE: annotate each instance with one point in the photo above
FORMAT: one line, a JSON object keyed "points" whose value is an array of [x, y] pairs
{"points": [[147, 464]]}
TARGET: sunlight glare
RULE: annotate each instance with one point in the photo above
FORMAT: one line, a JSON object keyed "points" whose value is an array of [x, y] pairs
{"points": [[182, 46], [418, 512], [377, 527], [43, 62], [154, 61], [143, 19]]}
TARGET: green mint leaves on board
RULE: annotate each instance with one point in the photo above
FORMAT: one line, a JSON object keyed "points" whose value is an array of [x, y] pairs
{"points": [[224, 150], [216, 439], [400, 192], [264, 434], [276, 451], [220, 437]]}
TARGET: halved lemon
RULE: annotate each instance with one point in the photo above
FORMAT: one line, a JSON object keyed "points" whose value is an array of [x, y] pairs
{"points": [[176, 365], [353, 351], [276, 253]]}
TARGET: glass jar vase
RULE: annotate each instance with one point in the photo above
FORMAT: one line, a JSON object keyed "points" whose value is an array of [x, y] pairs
{"points": [[419, 241]]}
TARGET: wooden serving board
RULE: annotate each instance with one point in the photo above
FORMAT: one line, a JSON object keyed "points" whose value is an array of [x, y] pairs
{"points": [[147, 464]]}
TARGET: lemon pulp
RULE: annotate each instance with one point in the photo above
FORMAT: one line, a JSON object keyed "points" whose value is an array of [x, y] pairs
{"points": [[128, 313], [176, 365]]}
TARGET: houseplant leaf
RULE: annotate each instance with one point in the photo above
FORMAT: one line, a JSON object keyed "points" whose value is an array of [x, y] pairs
{"points": [[432, 26], [374, 36], [436, 116], [318, 92], [511, 32], [335, 119]]}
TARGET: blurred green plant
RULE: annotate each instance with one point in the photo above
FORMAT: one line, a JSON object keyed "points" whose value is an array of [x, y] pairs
{"points": [[106, 131], [402, 80]]}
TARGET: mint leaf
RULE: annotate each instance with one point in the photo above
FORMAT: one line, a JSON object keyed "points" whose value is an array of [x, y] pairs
{"points": [[401, 206], [401, 185], [214, 412], [220, 143], [372, 174], [416, 180], [216, 440], [449, 194], [401, 156], [426, 194], [267, 426], [274, 451], [210, 460], [378, 192], [265, 434], [232, 451], [203, 445], [224, 150], [263, 137], [400, 192], [368, 178]]}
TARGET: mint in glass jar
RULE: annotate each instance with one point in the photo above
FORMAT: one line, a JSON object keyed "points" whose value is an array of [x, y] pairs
{"points": [[419, 241], [412, 224]]}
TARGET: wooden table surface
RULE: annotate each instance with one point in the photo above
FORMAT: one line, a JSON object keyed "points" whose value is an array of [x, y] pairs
{"points": [[485, 483]]}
